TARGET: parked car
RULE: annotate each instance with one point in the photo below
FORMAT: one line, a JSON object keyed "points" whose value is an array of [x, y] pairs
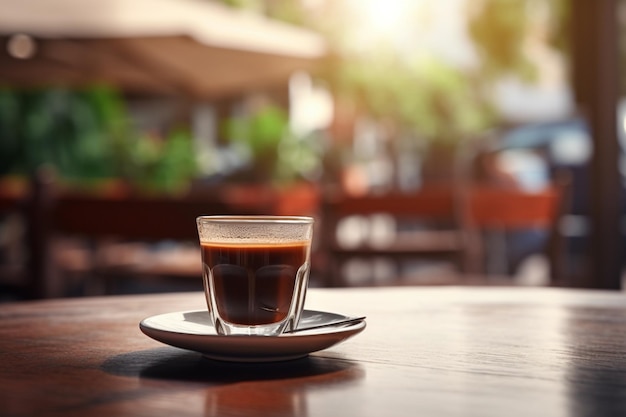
{"points": [[532, 154]]}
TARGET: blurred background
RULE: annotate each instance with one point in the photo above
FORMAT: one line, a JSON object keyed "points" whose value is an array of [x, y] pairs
{"points": [[122, 121]]}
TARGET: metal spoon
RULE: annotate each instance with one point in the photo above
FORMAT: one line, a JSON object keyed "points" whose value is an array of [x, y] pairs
{"points": [[344, 322]]}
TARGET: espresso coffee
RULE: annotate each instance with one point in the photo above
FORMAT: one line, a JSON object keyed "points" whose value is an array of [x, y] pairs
{"points": [[254, 284]]}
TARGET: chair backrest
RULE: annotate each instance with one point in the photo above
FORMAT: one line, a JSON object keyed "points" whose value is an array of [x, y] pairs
{"points": [[434, 201], [159, 217], [419, 219], [431, 205], [132, 218], [491, 207], [485, 208]]}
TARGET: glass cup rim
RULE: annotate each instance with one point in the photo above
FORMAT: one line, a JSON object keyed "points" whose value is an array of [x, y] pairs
{"points": [[255, 219]]}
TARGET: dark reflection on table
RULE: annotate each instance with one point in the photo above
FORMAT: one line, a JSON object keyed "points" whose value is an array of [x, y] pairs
{"points": [[237, 388], [597, 370]]}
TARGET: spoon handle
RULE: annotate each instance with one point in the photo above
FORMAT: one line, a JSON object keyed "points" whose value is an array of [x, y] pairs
{"points": [[345, 322]]}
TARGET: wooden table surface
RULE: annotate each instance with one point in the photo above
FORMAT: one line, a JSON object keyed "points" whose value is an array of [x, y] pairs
{"points": [[426, 351]]}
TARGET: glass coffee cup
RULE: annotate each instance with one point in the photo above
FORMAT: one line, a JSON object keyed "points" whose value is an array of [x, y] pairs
{"points": [[255, 272]]}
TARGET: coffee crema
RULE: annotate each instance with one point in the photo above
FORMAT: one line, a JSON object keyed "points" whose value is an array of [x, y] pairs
{"points": [[253, 284]]}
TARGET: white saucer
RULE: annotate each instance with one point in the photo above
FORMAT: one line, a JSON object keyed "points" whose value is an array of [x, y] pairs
{"points": [[193, 330]]}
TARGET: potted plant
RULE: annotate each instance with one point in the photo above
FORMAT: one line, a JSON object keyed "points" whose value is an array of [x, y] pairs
{"points": [[271, 152], [425, 101]]}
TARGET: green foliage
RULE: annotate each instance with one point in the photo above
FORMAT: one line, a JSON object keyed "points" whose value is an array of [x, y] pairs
{"points": [[289, 11], [498, 30], [275, 153], [71, 131], [499, 27], [426, 98], [261, 131], [86, 136], [162, 164]]}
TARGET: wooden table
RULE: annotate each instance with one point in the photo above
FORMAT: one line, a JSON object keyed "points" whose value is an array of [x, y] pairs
{"points": [[427, 351]]}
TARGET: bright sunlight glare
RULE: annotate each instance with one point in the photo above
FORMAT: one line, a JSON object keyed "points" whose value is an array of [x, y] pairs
{"points": [[381, 21], [411, 27], [383, 16]]}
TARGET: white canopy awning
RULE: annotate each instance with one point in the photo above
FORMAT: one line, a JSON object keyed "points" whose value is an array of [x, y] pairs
{"points": [[193, 47]]}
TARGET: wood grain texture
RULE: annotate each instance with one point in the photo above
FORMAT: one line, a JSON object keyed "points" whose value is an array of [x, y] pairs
{"points": [[440, 351]]}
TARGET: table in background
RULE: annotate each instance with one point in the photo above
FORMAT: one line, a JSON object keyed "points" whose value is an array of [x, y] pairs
{"points": [[428, 351]]}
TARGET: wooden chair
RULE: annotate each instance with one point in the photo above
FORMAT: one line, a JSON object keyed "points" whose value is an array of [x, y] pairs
{"points": [[69, 233], [118, 223], [488, 213], [120, 228], [29, 199], [426, 228], [15, 266]]}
